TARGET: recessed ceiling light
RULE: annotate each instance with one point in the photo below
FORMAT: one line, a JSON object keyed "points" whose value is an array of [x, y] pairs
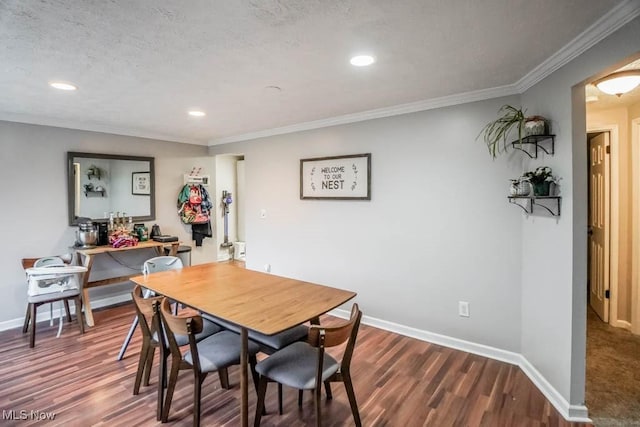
{"points": [[63, 86], [362, 60], [197, 113]]}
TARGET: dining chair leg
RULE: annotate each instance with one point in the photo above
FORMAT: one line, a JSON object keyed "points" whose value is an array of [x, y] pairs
{"points": [[279, 398], [67, 311], [142, 364], [127, 339], [254, 374], [327, 387], [32, 333], [223, 374], [300, 398], [317, 392], [348, 385], [27, 318], [197, 391], [173, 378], [162, 382], [262, 390], [149, 364]]}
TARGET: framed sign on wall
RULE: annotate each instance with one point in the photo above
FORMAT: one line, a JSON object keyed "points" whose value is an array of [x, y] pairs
{"points": [[141, 183], [337, 177]]}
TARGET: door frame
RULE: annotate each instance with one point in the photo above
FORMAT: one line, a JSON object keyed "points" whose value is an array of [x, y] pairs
{"points": [[635, 230], [613, 217]]}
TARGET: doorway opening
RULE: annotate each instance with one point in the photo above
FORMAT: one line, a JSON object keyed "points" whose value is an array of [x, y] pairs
{"points": [[613, 348], [230, 199]]}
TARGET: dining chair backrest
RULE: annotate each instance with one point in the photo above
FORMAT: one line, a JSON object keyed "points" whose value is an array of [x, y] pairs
{"points": [[161, 263], [331, 336], [144, 307], [188, 322]]}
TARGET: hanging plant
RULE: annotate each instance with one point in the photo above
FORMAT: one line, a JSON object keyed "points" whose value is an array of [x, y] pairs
{"points": [[495, 133]]}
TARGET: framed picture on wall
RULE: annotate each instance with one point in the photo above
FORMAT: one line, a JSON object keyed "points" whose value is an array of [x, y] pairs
{"points": [[141, 183], [337, 177]]}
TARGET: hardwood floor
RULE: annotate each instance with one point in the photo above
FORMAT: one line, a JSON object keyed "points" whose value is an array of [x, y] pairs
{"points": [[398, 381]]}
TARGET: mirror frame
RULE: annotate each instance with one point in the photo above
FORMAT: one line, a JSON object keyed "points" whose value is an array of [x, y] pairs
{"points": [[73, 220]]}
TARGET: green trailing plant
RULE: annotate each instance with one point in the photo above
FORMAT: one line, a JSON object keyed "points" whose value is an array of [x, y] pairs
{"points": [[495, 133]]}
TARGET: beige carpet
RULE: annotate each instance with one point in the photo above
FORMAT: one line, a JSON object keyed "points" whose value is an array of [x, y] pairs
{"points": [[613, 374]]}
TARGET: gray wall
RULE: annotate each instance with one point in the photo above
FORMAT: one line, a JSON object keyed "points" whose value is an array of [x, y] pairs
{"points": [[438, 228], [33, 216]]}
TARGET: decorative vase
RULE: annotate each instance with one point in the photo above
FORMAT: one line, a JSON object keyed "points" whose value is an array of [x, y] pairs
{"points": [[519, 188], [535, 125], [541, 188]]}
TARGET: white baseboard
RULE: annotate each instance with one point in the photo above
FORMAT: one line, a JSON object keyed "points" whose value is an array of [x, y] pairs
{"points": [[621, 324], [574, 413], [44, 313]]}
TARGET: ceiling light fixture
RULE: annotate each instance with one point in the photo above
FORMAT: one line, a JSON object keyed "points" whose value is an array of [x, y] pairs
{"points": [[63, 86], [197, 113], [362, 60], [619, 82]]}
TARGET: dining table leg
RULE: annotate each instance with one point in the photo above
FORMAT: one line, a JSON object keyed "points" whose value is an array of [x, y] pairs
{"points": [[244, 381]]}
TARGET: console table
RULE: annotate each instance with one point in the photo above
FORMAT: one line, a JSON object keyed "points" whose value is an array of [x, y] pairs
{"points": [[86, 259]]}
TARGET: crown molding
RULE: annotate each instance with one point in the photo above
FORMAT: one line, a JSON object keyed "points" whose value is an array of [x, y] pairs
{"points": [[428, 104], [602, 28], [620, 15], [94, 127]]}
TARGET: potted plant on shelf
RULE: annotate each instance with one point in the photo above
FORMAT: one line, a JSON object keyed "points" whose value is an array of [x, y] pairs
{"points": [[495, 133], [541, 179]]}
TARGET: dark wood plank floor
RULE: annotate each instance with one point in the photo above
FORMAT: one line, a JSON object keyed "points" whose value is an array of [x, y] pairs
{"points": [[399, 381]]}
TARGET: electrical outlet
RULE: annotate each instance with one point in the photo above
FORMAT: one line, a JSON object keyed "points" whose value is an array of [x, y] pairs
{"points": [[267, 268], [463, 309]]}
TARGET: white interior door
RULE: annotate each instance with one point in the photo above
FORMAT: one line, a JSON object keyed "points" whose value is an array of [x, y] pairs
{"points": [[599, 225]]}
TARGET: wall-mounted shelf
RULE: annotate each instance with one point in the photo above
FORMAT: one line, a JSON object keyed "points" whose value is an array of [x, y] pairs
{"points": [[94, 172], [94, 193], [550, 203], [532, 143]]}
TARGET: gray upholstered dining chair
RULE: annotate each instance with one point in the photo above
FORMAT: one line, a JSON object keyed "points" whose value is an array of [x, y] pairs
{"points": [[306, 366], [149, 322], [152, 265], [215, 353]]}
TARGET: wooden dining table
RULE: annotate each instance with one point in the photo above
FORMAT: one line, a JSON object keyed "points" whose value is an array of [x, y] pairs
{"points": [[252, 300]]}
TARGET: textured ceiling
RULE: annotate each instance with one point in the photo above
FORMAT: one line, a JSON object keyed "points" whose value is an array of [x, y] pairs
{"points": [[140, 65]]}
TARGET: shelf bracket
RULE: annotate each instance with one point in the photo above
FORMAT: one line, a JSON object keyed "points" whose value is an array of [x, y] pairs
{"points": [[537, 201], [518, 146], [537, 142], [514, 201]]}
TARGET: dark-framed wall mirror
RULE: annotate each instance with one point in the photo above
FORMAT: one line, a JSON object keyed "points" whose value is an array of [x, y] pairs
{"points": [[100, 184]]}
